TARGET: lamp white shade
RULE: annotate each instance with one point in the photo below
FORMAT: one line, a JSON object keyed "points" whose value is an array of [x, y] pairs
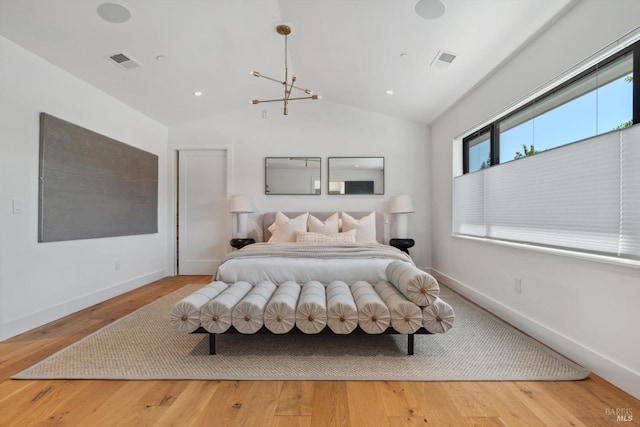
{"points": [[240, 206], [400, 204]]}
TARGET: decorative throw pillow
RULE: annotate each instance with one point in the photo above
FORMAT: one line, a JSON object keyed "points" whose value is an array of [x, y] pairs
{"points": [[365, 227], [333, 238], [328, 226], [285, 228]]}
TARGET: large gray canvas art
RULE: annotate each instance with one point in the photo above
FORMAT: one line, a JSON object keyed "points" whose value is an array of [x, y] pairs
{"points": [[93, 186]]}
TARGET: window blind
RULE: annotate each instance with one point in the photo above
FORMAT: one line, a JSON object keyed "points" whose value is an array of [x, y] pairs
{"points": [[630, 193], [584, 196], [468, 204]]}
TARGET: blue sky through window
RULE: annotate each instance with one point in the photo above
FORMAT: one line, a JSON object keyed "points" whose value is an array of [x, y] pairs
{"points": [[479, 155], [591, 114]]}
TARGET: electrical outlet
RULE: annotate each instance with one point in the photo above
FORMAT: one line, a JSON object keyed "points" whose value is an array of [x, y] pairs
{"points": [[117, 265], [518, 285]]}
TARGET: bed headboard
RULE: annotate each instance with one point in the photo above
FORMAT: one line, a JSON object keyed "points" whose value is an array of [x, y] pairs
{"points": [[269, 217]]}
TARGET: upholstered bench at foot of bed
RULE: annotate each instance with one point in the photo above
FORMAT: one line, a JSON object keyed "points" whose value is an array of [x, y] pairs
{"points": [[388, 307], [357, 330]]}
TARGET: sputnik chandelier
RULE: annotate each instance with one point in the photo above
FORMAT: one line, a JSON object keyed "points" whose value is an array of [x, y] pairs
{"points": [[285, 30]]}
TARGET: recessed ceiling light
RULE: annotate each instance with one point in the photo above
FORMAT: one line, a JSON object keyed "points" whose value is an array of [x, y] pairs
{"points": [[114, 13], [388, 92], [197, 93], [430, 9]]}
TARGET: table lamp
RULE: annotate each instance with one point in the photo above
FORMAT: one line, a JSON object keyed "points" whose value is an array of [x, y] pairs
{"points": [[400, 206], [241, 206]]}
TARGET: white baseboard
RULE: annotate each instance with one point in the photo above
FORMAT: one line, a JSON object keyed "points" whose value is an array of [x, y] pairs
{"points": [[606, 368], [41, 317]]}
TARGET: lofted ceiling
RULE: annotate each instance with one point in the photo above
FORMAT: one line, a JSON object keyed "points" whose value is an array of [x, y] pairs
{"points": [[348, 51]]}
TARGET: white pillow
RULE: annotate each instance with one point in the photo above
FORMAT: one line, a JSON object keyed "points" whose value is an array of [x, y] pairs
{"points": [[328, 226], [334, 238], [285, 228], [365, 227]]}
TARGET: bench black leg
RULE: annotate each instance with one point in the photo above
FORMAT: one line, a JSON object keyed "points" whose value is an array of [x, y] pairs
{"points": [[212, 343]]}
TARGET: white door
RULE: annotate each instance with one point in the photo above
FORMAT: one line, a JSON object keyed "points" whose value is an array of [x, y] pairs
{"points": [[203, 227]]}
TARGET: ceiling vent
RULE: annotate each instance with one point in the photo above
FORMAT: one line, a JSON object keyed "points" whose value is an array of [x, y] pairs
{"points": [[443, 59], [123, 60]]}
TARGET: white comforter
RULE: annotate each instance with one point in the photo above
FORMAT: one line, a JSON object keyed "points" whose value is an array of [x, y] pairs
{"points": [[280, 262]]}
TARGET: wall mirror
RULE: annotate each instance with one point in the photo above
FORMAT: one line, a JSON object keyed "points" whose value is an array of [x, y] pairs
{"points": [[292, 175], [356, 175]]}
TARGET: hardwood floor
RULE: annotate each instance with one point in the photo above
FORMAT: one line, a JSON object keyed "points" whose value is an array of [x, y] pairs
{"points": [[592, 402]]}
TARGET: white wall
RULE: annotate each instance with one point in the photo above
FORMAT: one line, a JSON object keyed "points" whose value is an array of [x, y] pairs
{"points": [[40, 282], [326, 130], [587, 310]]}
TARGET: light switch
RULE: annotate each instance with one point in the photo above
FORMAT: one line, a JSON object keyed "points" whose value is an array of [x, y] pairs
{"points": [[17, 207]]}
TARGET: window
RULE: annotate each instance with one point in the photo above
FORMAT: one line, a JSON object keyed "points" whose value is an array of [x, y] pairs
{"points": [[581, 190], [477, 147], [583, 197], [597, 101]]}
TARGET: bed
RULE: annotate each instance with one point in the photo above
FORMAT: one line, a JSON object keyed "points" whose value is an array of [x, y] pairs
{"points": [[317, 273]]}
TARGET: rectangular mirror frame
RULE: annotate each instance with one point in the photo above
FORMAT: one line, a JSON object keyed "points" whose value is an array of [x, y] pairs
{"points": [[363, 183]]}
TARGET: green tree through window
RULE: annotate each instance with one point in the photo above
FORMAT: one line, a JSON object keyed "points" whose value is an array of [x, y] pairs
{"points": [[527, 152]]}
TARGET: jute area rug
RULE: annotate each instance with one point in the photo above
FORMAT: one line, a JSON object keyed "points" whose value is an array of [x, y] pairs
{"points": [[144, 346]]}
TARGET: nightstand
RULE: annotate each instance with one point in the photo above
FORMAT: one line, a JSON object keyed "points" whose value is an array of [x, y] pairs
{"points": [[402, 244], [241, 243]]}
